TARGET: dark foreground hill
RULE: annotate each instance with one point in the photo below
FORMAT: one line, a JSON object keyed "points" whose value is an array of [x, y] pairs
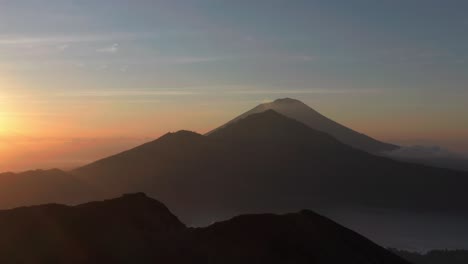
{"points": [[138, 229]]}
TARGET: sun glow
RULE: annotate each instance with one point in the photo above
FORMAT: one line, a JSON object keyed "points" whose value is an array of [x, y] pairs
{"points": [[3, 117], [2, 125], [5, 123], [9, 88]]}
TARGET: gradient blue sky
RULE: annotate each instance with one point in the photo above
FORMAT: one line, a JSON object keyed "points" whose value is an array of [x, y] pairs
{"points": [[114, 69]]}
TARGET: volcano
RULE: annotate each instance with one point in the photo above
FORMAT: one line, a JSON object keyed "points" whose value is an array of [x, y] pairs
{"points": [[301, 112]]}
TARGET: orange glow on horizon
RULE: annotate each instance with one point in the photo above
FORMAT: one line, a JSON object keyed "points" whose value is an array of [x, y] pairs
{"points": [[44, 131]]}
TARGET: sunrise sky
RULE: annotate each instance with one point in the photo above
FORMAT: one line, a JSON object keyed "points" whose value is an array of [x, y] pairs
{"points": [[85, 78]]}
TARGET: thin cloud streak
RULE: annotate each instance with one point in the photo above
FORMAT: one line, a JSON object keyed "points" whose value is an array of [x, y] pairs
{"points": [[125, 93], [31, 114], [118, 93], [109, 49], [190, 59], [66, 39], [156, 94], [311, 91]]}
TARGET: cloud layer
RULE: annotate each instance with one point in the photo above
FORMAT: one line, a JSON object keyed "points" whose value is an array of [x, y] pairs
{"points": [[424, 152]]}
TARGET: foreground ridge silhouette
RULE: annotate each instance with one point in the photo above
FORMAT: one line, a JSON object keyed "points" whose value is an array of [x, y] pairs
{"points": [[137, 229]]}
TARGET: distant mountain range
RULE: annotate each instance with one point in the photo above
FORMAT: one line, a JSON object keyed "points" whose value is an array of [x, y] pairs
{"points": [[262, 162], [138, 229], [42, 186], [268, 162]]}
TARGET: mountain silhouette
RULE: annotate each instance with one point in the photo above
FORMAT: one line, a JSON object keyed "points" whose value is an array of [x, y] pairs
{"points": [[137, 229], [299, 111], [267, 162]]}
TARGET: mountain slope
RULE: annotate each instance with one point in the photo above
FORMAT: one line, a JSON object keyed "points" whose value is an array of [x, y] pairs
{"points": [[301, 112], [303, 237], [138, 229], [267, 162]]}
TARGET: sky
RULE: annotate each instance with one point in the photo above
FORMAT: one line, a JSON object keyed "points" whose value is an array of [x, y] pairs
{"points": [[81, 79]]}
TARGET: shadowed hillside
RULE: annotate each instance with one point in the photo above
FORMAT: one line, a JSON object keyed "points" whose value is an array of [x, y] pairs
{"points": [[268, 162], [138, 229]]}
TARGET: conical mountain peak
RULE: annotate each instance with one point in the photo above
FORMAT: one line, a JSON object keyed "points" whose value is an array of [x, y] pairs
{"points": [[272, 126], [181, 134], [281, 104], [301, 112], [287, 100]]}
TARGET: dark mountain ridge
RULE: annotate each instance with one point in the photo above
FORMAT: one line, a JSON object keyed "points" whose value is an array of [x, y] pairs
{"points": [[138, 229], [268, 162]]}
